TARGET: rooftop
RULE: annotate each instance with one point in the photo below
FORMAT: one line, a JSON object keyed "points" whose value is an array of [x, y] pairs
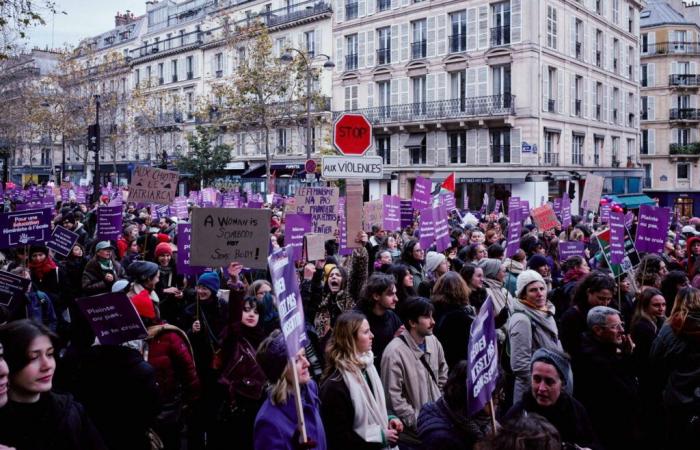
{"points": [[660, 12]]}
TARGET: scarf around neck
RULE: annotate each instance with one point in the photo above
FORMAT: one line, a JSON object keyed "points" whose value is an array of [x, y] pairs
{"points": [[42, 268]]}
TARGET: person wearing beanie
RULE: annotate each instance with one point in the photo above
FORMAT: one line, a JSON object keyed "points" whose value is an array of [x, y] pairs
{"points": [[102, 270], [276, 424], [130, 234], [144, 276], [170, 286], [494, 277], [539, 263], [435, 266], [514, 267], [45, 273], [530, 327], [550, 395]]}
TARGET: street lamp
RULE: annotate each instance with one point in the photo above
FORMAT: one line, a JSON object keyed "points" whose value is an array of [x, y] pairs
{"points": [[288, 58]]}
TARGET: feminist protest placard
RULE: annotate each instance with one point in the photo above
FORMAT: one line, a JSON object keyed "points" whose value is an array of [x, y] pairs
{"points": [[322, 204], [442, 229], [352, 214], [343, 248], [184, 245], [524, 209], [373, 212], [447, 199], [222, 235], [590, 200], [406, 213], [153, 185], [109, 222], [295, 227], [421, 193], [652, 229], [62, 240], [112, 317], [565, 211], [24, 227], [514, 213], [286, 288], [483, 359], [514, 230], [11, 285], [568, 249], [544, 217], [617, 237], [631, 257], [427, 228], [392, 213]]}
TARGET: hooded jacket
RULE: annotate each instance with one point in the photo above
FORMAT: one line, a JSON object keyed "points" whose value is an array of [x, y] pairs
{"points": [[693, 260]]}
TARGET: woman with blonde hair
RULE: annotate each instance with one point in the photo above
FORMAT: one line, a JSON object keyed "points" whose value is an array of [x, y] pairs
{"points": [[353, 406]]}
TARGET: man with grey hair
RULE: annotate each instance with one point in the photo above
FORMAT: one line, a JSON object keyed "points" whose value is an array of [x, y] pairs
{"points": [[605, 379]]}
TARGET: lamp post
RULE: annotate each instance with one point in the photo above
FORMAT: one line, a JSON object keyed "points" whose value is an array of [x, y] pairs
{"points": [[96, 180], [287, 58]]}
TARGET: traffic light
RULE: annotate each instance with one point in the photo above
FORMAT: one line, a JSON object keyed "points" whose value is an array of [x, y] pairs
{"points": [[93, 138]]}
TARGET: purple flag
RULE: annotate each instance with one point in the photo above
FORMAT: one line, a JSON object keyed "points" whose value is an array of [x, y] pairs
{"points": [[421, 193], [442, 229], [565, 211], [286, 286], [406, 213], [652, 229], [514, 231], [109, 222], [617, 237], [392, 213], [483, 359], [24, 227], [427, 228], [112, 317], [570, 248], [295, 227], [184, 242]]}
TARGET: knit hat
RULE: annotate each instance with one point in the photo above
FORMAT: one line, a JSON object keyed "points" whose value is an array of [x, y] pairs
{"points": [[163, 249], [536, 261], [432, 261], [38, 248], [525, 278], [327, 269], [142, 270], [162, 237], [143, 304], [103, 245], [490, 267], [274, 359], [120, 285], [210, 280], [559, 361]]}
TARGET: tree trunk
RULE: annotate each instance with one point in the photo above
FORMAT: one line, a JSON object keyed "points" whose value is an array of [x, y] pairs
{"points": [[267, 160]]}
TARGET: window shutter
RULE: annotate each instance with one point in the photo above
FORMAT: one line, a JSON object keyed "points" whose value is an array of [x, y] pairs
{"points": [[483, 146], [545, 88], [394, 91], [515, 21], [430, 45], [318, 41], [404, 42], [348, 94], [442, 148], [394, 4], [483, 27], [339, 11], [430, 87], [339, 61], [592, 99], [674, 68], [402, 151], [651, 74], [561, 100], [195, 66], [361, 50], [584, 98], [651, 41], [404, 91], [471, 147], [471, 29], [371, 7], [651, 104], [515, 145], [651, 141], [441, 34], [483, 81], [441, 86], [404, 3], [431, 148], [370, 94], [361, 8], [584, 43], [370, 48], [394, 44], [572, 93], [572, 37], [604, 104], [471, 82]]}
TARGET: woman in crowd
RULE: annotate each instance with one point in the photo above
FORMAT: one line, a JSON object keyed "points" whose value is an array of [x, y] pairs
{"points": [[474, 277], [649, 316], [436, 265], [494, 276], [170, 286], [514, 267], [333, 298], [353, 406], [45, 273], [102, 271], [475, 253], [276, 425], [413, 255], [650, 271], [670, 285], [453, 316], [404, 282], [575, 268], [36, 417]]}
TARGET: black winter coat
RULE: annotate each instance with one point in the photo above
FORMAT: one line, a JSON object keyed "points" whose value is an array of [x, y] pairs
{"points": [[452, 325], [440, 428], [94, 277]]}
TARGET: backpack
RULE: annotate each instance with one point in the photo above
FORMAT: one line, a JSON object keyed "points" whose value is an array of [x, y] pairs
{"points": [[40, 308]]}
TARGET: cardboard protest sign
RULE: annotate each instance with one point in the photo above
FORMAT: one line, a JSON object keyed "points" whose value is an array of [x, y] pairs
{"points": [[392, 213], [286, 288], [295, 227], [109, 222], [544, 217], [652, 229], [153, 185], [605, 213], [421, 193], [322, 204], [514, 213], [112, 317], [447, 199], [570, 248], [222, 235], [373, 212], [442, 229], [62, 240], [352, 214], [593, 189], [483, 359], [24, 227], [11, 285], [184, 245], [314, 247], [524, 209]]}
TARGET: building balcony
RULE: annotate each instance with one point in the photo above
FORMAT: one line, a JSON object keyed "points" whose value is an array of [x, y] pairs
{"points": [[383, 56], [692, 149], [672, 48], [163, 120], [419, 49], [691, 114], [454, 109], [351, 62], [458, 43], [686, 80], [500, 36], [551, 159]]}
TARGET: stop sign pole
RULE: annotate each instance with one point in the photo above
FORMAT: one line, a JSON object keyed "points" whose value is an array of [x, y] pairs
{"points": [[352, 134]]}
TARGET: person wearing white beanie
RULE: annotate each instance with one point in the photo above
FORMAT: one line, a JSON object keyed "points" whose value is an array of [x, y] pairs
{"points": [[435, 266]]}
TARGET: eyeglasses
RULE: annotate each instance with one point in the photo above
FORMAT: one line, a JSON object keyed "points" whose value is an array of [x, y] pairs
{"points": [[617, 326]]}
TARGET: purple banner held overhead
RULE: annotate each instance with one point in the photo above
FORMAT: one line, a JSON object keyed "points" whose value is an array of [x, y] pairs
{"points": [[286, 286], [421, 194], [427, 228], [406, 213], [442, 229], [605, 213], [109, 222], [497, 206], [652, 229], [62, 240], [513, 244], [447, 199], [295, 227], [514, 213], [524, 210], [482, 356], [112, 318], [24, 227], [557, 206], [392, 213], [570, 248], [184, 243], [565, 211], [617, 237]]}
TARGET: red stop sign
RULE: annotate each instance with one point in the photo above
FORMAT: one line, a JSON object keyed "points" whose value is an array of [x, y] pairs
{"points": [[352, 134]]}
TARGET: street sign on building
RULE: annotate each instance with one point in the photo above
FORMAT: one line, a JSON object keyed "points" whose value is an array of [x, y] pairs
{"points": [[352, 134]]}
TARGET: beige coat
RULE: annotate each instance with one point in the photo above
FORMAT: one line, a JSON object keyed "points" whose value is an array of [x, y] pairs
{"points": [[407, 383]]}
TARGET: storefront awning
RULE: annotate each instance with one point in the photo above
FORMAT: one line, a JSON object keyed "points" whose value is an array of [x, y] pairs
{"points": [[633, 201], [415, 140], [255, 170]]}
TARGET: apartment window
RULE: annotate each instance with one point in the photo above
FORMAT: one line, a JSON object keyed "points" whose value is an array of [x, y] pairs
{"points": [[630, 62], [615, 151], [616, 54], [500, 76], [384, 148], [190, 67], [189, 99], [419, 89], [419, 154], [384, 92], [616, 11], [350, 98], [123, 85], [45, 156], [182, 37], [680, 37], [616, 102], [457, 143], [683, 171], [579, 39], [551, 27], [500, 20], [577, 149], [384, 46], [645, 43], [280, 46], [351, 10], [219, 64], [598, 101], [241, 55], [458, 88], [630, 149], [148, 74], [683, 136], [160, 73], [644, 145], [552, 86], [599, 7], [551, 153], [599, 48], [500, 146], [578, 103], [281, 140], [351, 52], [168, 40], [458, 39], [644, 70], [683, 101], [137, 77], [630, 20], [598, 143], [418, 46], [173, 69], [647, 176], [630, 110], [310, 38], [383, 5], [645, 107]]}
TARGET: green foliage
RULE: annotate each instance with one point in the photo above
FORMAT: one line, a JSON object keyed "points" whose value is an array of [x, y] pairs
{"points": [[205, 160], [16, 17]]}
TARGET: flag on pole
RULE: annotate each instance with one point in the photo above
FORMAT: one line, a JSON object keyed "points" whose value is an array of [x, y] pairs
{"points": [[449, 183]]}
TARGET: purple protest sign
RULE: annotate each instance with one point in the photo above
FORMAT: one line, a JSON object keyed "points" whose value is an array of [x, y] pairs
{"points": [[570, 248], [11, 285], [295, 227], [427, 229], [255, 204], [483, 359], [112, 318], [421, 193], [605, 213], [557, 205], [62, 240], [497, 206], [514, 212], [524, 209], [514, 231], [617, 237], [24, 227], [179, 208], [109, 222], [392, 213], [406, 213], [652, 229], [629, 220], [184, 243], [343, 249], [447, 199], [80, 194], [442, 229], [286, 286], [565, 211]]}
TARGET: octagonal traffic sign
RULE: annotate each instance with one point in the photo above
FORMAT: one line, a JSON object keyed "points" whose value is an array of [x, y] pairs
{"points": [[352, 134]]}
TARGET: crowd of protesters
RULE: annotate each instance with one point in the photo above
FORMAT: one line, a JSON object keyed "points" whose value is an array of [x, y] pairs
{"points": [[588, 358]]}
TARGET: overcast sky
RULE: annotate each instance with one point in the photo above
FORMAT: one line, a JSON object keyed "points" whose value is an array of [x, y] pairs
{"points": [[83, 18]]}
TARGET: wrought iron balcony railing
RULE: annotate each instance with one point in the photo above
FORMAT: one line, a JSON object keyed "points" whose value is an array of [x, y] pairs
{"points": [[685, 149], [351, 61], [684, 114], [384, 56], [684, 80], [551, 159], [671, 48], [458, 43], [487, 106], [500, 36]]}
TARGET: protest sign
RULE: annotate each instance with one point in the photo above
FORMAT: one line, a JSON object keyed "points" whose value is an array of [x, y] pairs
{"points": [[605, 213], [25, 227], [406, 213], [109, 222], [565, 211], [593, 189], [62, 240], [629, 220], [184, 244], [483, 359], [295, 227], [421, 193], [556, 206], [112, 317], [524, 209], [153, 185], [652, 229], [427, 228], [179, 208], [617, 237], [352, 214], [322, 204], [314, 247], [570, 248], [286, 289], [373, 212], [497, 206], [392, 213], [11, 285], [514, 230], [631, 258], [343, 248], [221, 235], [544, 217], [514, 213], [442, 229], [447, 199]]}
